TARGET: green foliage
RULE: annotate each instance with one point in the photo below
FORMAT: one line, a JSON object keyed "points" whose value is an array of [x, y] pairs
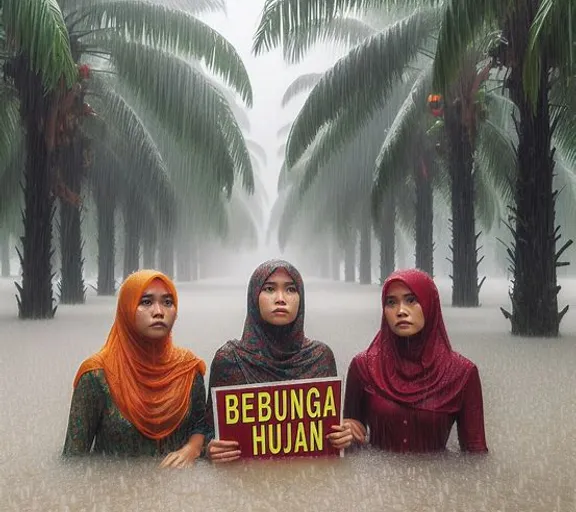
{"points": [[359, 85], [36, 29], [162, 81], [164, 28]]}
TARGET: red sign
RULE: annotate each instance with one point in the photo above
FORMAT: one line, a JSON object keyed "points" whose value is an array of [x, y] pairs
{"points": [[279, 419]]}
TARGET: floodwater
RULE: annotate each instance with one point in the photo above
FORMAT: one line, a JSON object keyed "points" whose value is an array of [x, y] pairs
{"points": [[529, 395]]}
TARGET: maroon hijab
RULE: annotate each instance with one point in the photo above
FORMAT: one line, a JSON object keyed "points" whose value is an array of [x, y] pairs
{"points": [[422, 371]]}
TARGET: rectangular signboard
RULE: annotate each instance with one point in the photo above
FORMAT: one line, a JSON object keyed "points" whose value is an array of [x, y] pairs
{"points": [[279, 419]]}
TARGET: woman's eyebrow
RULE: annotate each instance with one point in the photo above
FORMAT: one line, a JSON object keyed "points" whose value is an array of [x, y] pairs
{"points": [[151, 295], [396, 296]]}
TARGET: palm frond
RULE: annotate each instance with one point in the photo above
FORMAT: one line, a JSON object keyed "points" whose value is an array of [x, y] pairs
{"points": [[500, 111], [154, 207], [37, 29], [301, 84], [564, 136], [284, 178], [203, 216], [362, 80], [487, 205], [118, 123], [398, 142], [187, 104], [285, 19], [171, 30], [289, 217], [331, 139], [241, 116], [340, 194], [239, 111], [284, 130], [405, 198], [276, 214], [495, 158], [463, 21], [73, 8], [243, 228], [347, 32], [198, 179], [257, 150], [257, 202], [10, 124], [553, 28], [198, 6], [122, 133], [281, 151]]}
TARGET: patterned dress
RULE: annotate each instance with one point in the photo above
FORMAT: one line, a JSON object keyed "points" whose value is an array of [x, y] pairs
{"points": [[96, 425]]}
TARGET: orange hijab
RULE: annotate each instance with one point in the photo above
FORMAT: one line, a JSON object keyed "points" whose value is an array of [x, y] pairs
{"points": [[150, 383]]}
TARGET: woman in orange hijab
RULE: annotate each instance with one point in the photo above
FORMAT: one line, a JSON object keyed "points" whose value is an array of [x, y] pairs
{"points": [[140, 395]]}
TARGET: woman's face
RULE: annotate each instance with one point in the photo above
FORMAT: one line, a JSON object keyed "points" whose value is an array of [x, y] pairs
{"points": [[279, 299], [156, 312], [402, 311]]}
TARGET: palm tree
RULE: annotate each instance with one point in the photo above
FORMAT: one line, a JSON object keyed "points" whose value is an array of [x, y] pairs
{"points": [[356, 86], [38, 65], [535, 46], [141, 41]]}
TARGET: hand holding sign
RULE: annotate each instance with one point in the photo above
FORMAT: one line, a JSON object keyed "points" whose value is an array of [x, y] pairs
{"points": [[349, 432], [358, 430], [342, 437], [223, 451]]}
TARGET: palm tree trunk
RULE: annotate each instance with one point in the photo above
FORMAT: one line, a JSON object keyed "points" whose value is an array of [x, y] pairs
{"points": [[388, 236], [350, 258], [194, 259], [202, 257], [535, 291], [424, 218], [322, 261], [105, 205], [35, 293], [335, 259], [366, 250], [72, 289], [5, 253], [166, 254], [132, 241], [149, 250], [183, 258], [401, 253], [464, 254]]}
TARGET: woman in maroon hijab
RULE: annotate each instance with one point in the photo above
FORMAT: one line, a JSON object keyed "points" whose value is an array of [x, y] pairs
{"points": [[409, 387]]}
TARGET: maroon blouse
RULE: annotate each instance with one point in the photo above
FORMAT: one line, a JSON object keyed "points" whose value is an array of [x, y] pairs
{"points": [[402, 428]]}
